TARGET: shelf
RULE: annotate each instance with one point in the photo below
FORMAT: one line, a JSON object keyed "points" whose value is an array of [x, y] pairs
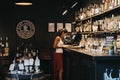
{"points": [[106, 11], [101, 32]]}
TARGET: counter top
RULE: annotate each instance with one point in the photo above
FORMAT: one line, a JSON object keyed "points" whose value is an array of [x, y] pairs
{"points": [[94, 55]]}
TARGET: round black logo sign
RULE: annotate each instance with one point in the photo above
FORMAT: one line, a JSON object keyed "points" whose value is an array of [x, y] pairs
{"points": [[25, 29]]}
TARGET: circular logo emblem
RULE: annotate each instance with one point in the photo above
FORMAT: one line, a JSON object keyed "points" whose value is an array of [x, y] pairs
{"points": [[25, 29]]}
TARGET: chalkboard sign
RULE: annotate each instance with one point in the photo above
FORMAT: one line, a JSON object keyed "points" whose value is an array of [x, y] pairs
{"points": [[109, 41]]}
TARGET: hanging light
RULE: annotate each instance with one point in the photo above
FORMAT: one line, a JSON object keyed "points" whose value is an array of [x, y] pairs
{"points": [[64, 12], [23, 3], [74, 4]]}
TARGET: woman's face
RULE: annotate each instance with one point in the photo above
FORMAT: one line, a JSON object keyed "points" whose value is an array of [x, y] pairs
{"points": [[63, 34], [77, 29]]}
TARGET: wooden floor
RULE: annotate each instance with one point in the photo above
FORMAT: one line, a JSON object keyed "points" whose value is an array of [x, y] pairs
{"points": [[47, 77]]}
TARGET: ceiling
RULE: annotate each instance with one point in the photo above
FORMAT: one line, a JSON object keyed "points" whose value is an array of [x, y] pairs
{"points": [[59, 5], [41, 7]]}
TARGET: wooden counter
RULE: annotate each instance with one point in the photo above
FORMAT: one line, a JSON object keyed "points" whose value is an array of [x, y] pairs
{"points": [[82, 65], [27, 76], [4, 66]]}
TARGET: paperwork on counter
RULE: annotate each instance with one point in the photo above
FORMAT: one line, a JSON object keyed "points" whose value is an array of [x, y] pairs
{"points": [[74, 47]]}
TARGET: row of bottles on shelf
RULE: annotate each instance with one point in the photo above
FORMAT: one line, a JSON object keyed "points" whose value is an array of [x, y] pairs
{"points": [[109, 44], [4, 46], [28, 65], [94, 9], [27, 62], [107, 24], [24, 48]]}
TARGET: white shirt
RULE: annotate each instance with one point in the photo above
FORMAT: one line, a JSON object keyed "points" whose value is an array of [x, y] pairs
{"points": [[59, 50]]}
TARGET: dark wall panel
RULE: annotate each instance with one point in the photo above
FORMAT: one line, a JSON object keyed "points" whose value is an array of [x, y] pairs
{"points": [[42, 39]]}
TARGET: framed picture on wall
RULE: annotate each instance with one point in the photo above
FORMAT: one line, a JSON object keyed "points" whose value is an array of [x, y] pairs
{"points": [[51, 27], [59, 26], [68, 27]]}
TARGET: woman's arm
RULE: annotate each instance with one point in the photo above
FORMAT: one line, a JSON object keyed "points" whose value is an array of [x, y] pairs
{"points": [[57, 39]]}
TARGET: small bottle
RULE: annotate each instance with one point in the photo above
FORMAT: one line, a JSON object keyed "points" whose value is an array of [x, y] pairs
{"points": [[6, 49], [115, 49], [6, 44], [102, 6], [107, 3], [118, 2], [119, 24], [93, 9], [111, 4], [37, 64], [88, 12], [37, 61], [115, 3], [97, 9]]}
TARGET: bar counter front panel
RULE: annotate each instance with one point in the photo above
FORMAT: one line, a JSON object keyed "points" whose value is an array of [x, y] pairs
{"points": [[79, 65]]}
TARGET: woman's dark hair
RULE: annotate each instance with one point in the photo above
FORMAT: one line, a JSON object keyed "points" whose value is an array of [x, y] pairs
{"points": [[60, 31]]}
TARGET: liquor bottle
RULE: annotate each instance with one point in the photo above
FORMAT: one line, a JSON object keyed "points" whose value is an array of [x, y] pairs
{"points": [[115, 3], [80, 13], [89, 26], [88, 13], [97, 9], [118, 43], [95, 26], [119, 24], [107, 3], [37, 64], [0, 46], [6, 47], [21, 65], [106, 24], [93, 9], [12, 66], [111, 4], [83, 16], [102, 5], [112, 24], [102, 24], [114, 21], [118, 2], [26, 64], [114, 44]]}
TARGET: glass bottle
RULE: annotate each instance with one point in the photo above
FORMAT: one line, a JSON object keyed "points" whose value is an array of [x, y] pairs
{"points": [[6, 47], [107, 3], [97, 9], [102, 5], [88, 12], [0, 46], [80, 14], [119, 24], [111, 4], [115, 3], [93, 9], [106, 24], [118, 2]]}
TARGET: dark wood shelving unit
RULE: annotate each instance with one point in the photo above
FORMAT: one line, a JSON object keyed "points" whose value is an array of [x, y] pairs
{"points": [[102, 13]]}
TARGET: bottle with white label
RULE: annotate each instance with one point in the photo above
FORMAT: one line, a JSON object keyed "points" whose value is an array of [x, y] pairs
{"points": [[118, 2]]}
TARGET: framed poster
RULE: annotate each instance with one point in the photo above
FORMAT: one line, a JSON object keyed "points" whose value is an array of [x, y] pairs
{"points": [[68, 26], [59, 26], [51, 27]]}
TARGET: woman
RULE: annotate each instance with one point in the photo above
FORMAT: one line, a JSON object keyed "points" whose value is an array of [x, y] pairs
{"points": [[58, 55]]}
